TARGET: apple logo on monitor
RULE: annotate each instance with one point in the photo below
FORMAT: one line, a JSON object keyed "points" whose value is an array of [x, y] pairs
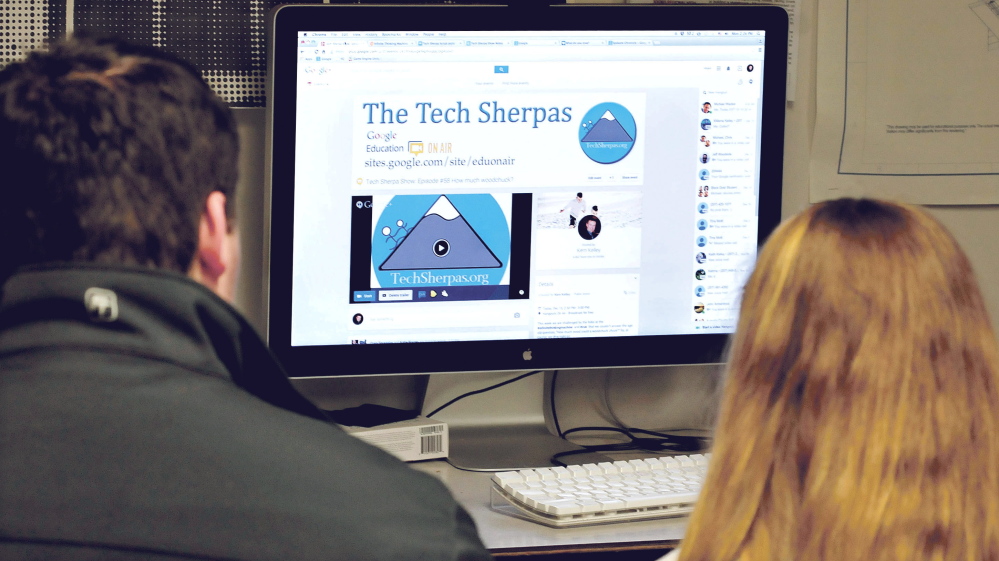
{"points": [[527, 355]]}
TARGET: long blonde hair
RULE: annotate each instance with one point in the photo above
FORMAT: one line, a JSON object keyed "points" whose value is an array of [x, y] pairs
{"points": [[860, 415]]}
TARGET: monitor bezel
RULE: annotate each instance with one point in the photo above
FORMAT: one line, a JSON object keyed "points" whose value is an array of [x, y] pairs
{"points": [[494, 355]]}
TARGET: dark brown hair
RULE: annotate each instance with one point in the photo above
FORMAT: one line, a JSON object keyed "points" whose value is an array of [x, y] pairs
{"points": [[108, 152]]}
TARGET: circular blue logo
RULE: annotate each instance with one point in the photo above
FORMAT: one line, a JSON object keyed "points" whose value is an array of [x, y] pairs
{"points": [[607, 133], [440, 240]]}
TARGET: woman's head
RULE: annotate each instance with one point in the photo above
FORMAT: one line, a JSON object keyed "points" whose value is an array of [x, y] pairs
{"points": [[860, 412]]}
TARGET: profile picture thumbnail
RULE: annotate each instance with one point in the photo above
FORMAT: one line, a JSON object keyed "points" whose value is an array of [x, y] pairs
{"points": [[704, 174], [700, 274], [706, 124], [588, 227], [699, 308], [702, 241], [702, 224], [702, 207], [701, 257], [706, 107]]}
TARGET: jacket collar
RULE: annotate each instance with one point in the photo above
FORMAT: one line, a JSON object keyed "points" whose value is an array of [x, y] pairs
{"points": [[157, 314]]}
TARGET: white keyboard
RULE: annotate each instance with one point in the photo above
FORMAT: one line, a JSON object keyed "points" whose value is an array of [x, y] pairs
{"points": [[605, 492]]}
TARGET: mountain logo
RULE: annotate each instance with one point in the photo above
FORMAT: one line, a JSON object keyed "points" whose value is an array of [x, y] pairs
{"points": [[607, 133], [442, 239]]}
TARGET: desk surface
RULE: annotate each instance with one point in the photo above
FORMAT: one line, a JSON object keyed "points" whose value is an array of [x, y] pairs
{"points": [[503, 533]]}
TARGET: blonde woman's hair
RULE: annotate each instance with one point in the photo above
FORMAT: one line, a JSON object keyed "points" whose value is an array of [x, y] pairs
{"points": [[860, 413]]}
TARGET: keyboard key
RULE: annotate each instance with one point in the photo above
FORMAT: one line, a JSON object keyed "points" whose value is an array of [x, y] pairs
{"points": [[561, 472], [529, 475], [563, 507], [607, 467], [639, 465], [624, 467], [545, 474], [506, 477], [611, 504]]}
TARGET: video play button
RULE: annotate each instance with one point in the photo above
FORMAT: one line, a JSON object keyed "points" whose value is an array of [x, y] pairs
{"points": [[441, 248]]}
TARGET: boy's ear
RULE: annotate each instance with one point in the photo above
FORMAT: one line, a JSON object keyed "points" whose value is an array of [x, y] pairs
{"points": [[215, 263]]}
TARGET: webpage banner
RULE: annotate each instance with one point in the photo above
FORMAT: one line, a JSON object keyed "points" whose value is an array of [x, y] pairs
{"points": [[492, 141]]}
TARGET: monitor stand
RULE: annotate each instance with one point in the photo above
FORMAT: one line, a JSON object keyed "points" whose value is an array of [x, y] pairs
{"points": [[510, 447], [503, 429]]}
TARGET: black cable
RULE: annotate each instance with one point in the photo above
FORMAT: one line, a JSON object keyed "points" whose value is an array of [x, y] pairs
{"points": [[551, 396], [493, 387], [662, 442]]}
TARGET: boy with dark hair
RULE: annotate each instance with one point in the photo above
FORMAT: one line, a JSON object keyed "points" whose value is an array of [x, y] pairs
{"points": [[576, 208], [140, 415], [109, 153]]}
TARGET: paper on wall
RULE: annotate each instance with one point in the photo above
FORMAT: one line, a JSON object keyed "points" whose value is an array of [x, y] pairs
{"points": [[906, 101]]}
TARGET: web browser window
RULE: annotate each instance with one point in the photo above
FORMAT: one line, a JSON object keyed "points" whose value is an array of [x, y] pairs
{"points": [[456, 186]]}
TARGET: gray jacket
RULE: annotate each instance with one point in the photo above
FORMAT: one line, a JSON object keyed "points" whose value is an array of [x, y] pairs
{"points": [[169, 432]]}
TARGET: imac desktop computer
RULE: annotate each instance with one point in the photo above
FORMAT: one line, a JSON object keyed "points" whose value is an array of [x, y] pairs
{"points": [[488, 188]]}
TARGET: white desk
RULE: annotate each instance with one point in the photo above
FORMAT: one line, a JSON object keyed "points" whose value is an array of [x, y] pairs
{"points": [[506, 535]]}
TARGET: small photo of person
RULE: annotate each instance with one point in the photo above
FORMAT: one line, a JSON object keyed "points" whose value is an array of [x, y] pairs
{"points": [[576, 208], [358, 318], [589, 227], [705, 124], [749, 68], [704, 158], [699, 308], [706, 108], [594, 210]]}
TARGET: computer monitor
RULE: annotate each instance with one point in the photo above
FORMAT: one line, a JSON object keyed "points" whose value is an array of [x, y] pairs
{"points": [[482, 188]]}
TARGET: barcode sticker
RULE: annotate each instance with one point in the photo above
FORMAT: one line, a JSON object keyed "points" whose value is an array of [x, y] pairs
{"points": [[431, 444], [434, 429]]}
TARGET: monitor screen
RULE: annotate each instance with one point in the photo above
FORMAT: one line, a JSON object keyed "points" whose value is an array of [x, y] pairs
{"points": [[469, 188]]}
